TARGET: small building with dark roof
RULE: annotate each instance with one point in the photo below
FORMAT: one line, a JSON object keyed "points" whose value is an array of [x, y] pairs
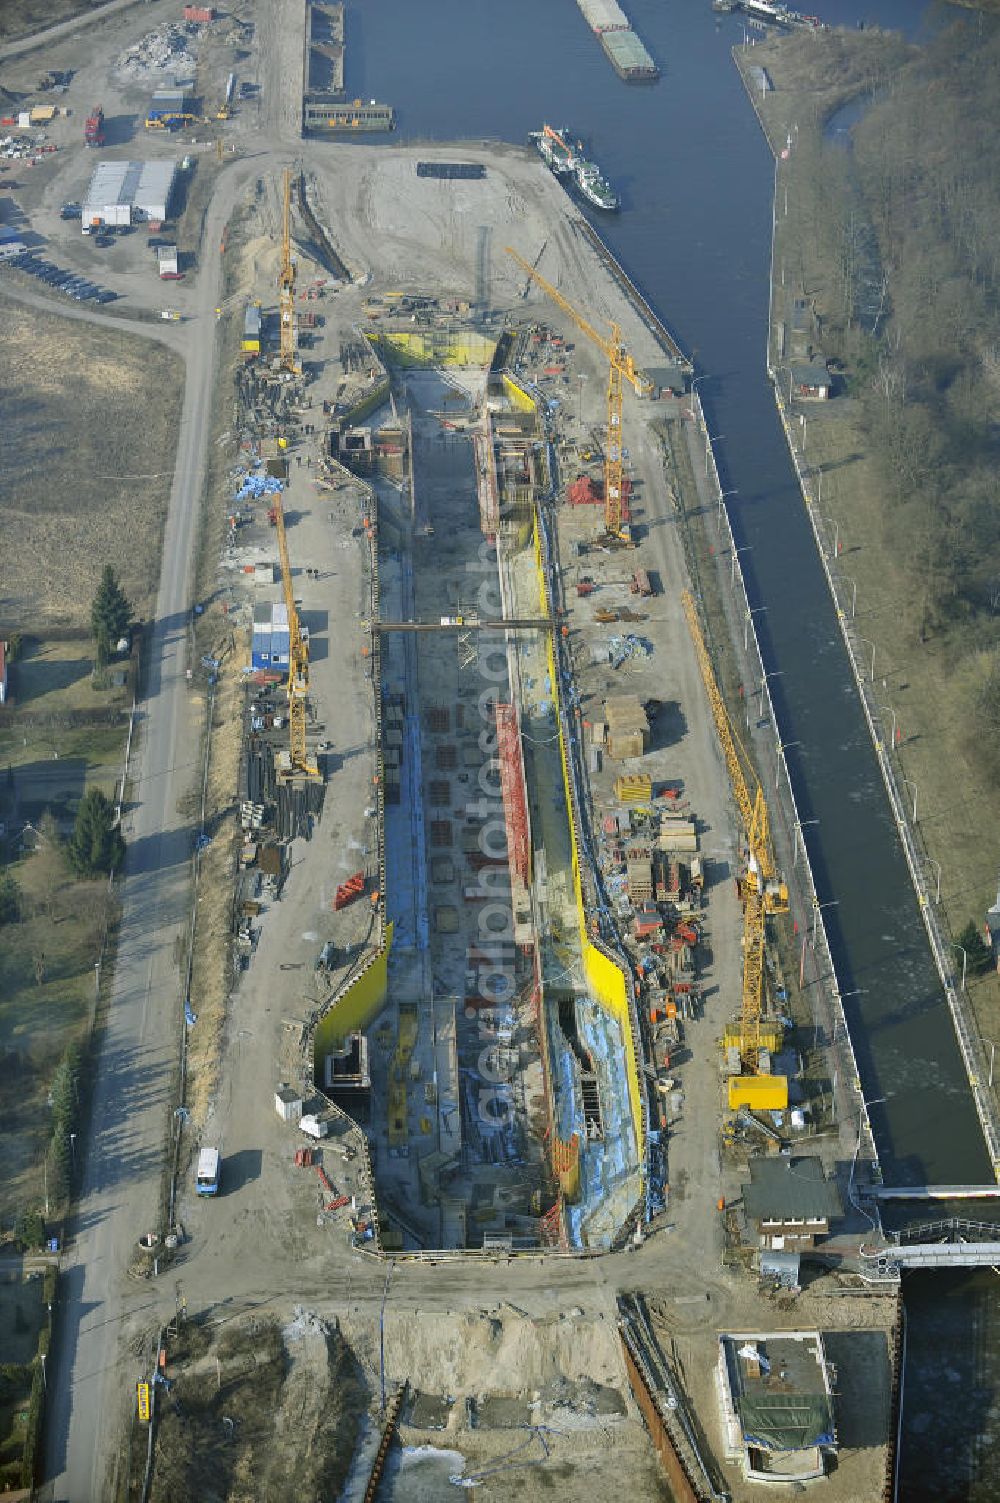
{"points": [[790, 1201], [811, 382], [777, 1408], [992, 926]]}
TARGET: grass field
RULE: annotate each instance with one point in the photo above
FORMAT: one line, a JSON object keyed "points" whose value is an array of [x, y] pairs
{"points": [[18, 18], [47, 990], [86, 460], [921, 685]]}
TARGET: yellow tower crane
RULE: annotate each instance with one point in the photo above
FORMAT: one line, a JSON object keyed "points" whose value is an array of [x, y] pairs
{"points": [[298, 664], [288, 358], [764, 890], [621, 368]]}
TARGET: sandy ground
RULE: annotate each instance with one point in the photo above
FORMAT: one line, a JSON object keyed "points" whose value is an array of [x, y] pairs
{"points": [[267, 1217], [262, 1241]]}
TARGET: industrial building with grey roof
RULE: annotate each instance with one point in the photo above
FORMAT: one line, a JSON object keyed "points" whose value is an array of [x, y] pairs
{"points": [[122, 193]]}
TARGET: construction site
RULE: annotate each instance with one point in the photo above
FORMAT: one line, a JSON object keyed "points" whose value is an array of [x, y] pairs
{"points": [[485, 1009], [510, 971]]}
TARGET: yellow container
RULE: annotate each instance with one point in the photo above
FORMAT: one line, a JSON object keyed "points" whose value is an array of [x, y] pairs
{"points": [[636, 789], [761, 1093], [769, 1037]]}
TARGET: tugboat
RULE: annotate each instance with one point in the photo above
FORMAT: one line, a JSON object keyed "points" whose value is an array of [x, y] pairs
{"points": [[594, 186], [564, 155], [556, 148]]}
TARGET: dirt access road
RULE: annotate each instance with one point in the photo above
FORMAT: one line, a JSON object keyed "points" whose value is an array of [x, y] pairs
{"points": [[121, 1173], [118, 1194], [119, 1188], [131, 1103]]}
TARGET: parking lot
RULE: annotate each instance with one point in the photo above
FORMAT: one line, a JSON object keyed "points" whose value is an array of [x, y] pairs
{"points": [[81, 288]]}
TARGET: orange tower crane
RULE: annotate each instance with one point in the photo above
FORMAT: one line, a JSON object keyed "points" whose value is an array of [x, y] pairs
{"points": [[764, 889], [298, 662], [621, 368]]}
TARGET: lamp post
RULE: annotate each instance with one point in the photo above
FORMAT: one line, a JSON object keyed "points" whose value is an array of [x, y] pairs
{"points": [[710, 439], [694, 386], [872, 646], [888, 710], [802, 420], [799, 826], [965, 961], [782, 747], [993, 1050], [817, 909], [722, 497], [909, 783], [835, 525], [864, 1117], [771, 673], [72, 1149], [751, 611], [854, 593], [743, 548]]}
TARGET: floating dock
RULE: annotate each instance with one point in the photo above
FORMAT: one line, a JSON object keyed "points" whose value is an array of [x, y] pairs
{"points": [[325, 110], [324, 116], [625, 51]]}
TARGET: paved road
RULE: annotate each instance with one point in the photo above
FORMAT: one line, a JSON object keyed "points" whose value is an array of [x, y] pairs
{"points": [[134, 1087], [62, 29], [134, 1090], [174, 335]]}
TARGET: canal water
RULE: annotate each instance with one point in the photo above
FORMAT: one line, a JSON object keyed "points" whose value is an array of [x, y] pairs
{"points": [[695, 176]]}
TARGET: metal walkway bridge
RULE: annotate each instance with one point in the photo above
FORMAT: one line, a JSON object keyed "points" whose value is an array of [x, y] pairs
{"points": [[950, 1243]]}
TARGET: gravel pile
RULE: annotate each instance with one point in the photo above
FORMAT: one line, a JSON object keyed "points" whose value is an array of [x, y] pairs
{"points": [[165, 50]]}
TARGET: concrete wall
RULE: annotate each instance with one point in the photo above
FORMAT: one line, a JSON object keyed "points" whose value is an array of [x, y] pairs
{"points": [[604, 975], [355, 1007]]}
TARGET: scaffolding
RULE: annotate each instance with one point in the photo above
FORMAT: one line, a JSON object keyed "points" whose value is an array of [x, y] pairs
{"points": [[486, 479], [513, 789]]}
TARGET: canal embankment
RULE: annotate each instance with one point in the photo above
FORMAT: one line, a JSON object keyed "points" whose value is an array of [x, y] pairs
{"points": [[827, 444]]}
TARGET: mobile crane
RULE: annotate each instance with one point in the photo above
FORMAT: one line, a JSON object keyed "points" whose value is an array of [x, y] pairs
{"points": [[764, 890], [621, 368]]}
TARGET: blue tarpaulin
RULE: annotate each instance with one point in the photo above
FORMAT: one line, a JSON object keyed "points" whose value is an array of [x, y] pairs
{"points": [[255, 486]]}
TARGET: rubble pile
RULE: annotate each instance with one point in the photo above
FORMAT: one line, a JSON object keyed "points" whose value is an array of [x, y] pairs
{"points": [[165, 50]]}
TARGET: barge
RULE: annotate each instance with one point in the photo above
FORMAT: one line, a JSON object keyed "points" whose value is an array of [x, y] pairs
{"points": [[326, 116], [623, 48]]}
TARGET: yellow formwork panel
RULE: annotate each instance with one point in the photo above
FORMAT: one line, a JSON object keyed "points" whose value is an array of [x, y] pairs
{"points": [[769, 1037], [761, 1093], [605, 977], [518, 395], [634, 788], [355, 1007], [435, 346]]}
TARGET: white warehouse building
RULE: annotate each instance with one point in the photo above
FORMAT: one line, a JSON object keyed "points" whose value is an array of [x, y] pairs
{"points": [[128, 193]]}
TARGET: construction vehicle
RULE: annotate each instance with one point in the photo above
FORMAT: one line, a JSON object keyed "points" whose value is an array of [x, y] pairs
{"points": [[743, 1124], [763, 890], [621, 368], [93, 129], [299, 764], [288, 359]]}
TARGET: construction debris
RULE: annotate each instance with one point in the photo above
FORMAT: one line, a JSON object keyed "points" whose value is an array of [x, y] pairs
{"points": [[165, 50]]}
